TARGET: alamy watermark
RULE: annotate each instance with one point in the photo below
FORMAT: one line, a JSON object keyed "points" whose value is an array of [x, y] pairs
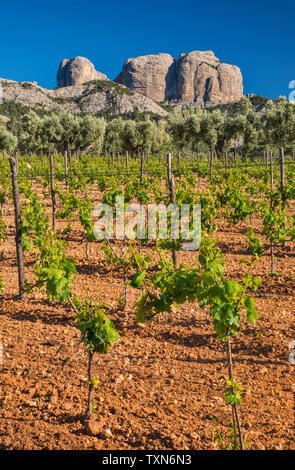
{"points": [[152, 221]]}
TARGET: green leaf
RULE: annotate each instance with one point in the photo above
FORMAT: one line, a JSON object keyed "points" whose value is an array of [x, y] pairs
{"points": [[137, 279], [251, 312]]}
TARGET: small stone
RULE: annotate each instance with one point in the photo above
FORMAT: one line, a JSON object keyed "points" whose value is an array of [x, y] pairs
{"points": [[108, 433], [93, 428], [53, 397], [217, 398], [119, 379], [82, 378], [279, 447], [32, 403]]}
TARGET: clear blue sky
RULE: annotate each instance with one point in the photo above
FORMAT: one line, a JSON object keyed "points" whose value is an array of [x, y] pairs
{"points": [[258, 36]]}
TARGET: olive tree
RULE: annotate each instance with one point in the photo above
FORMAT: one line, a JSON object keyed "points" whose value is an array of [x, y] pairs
{"points": [[280, 123], [113, 140], [30, 133], [8, 141], [90, 135]]}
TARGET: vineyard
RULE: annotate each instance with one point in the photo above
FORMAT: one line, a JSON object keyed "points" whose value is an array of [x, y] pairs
{"points": [[136, 344]]}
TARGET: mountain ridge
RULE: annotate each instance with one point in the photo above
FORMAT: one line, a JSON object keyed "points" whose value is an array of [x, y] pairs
{"points": [[145, 83], [93, 97]]}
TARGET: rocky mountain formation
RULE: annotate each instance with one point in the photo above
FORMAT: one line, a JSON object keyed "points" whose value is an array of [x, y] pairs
{"points": [[197, 77], [76, 72]]}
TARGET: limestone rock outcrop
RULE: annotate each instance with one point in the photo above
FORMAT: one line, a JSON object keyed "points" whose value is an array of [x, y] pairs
{"points": [[93, 98], [150, 75], [76, 72], [196, 77]]}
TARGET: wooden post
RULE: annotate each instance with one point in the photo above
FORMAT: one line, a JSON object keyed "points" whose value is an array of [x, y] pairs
{"points": [[199, 174], [70, 158], [18, 233], [234, 407], [141, 178], [235, 153], [124, 273], [147, 164], [66, 167], [271, 241], [142, 166], [118, 162], [211, 165], [90, 389], [271, 170], [172, 198], [52, 190], [16, 161], [282, 172], [179, 161], [127, 163], [282, 168], [169, 167]]}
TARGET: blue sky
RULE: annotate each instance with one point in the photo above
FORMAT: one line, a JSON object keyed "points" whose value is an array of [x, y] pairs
{"points": [[258, 36]]}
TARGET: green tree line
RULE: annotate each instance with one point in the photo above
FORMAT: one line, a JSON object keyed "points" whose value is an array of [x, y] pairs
{"points": [[239, 128]]}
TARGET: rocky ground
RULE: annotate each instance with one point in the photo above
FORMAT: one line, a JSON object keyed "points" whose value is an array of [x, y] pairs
{"points": [[162, 385]]}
